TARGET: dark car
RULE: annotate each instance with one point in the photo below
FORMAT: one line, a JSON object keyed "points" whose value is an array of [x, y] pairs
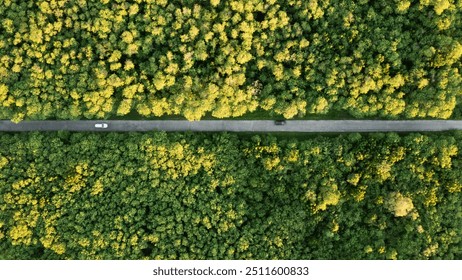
{"points": [[280, 122]]}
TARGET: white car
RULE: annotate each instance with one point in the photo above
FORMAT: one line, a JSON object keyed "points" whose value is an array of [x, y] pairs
{"points": [[101, 125]]}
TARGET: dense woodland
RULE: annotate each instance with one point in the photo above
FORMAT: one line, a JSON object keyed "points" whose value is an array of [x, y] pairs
{"points": [[73, 59], [226, 196]]}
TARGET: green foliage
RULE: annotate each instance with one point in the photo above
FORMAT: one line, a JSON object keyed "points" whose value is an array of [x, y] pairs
{"points": [[95, 59], [218, 196]]}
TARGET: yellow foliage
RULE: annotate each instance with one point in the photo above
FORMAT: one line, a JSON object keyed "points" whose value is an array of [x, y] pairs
{"points": [[268, 103], [97, 188], [293, 156], [402, 6], [130, 91], [8, 25], [423, 83], [278, 72], [392, 255], [444, 23], [124, 107], [222, 110], [444, 158], [16, 68], [132, 49], [36, 36], [328, 198], [384, 170], [47, 241], [368, 249], [134, 240], [335, 227], [115, 56], [193, 32], [354, 178], [431, 197], [59, 248], [129, 65], [430, 250], [244, 244], [172, 69], [304, 43], [3, 161], [381, 249], [17, 117], [399, 205], [454, 187], [84, 242], [440, 6], [278, 241], [243, 57], [206, 222], [115, 66], [329, 195], [76, 182], [143, 109], [289, 111], [320, 106], [133, 10], [3, 92], [21, 234]]}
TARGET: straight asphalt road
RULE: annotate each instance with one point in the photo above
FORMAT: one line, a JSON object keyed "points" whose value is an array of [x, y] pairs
{"points": [[238, 125]]}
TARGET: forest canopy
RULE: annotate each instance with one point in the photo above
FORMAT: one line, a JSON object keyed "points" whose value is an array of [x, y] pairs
{"points": [[227, 196], [74, 59]]}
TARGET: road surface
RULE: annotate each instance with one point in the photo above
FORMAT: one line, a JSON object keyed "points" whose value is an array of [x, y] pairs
{"points": [[239, 125]]}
